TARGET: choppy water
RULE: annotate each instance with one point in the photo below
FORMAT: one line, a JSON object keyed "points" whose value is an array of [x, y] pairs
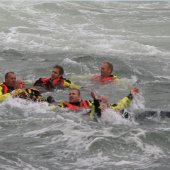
{"points": [[134, 36]]}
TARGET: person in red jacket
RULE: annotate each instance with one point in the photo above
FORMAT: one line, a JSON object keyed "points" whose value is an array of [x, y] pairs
{"points": [[106, 75], [75, 102], [55, 81]]}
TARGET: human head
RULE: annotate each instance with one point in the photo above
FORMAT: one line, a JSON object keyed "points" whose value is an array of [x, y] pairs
{"points": [[104, 103], [57, 72], [106, 69], [20, 84], [74, 95], [10, 79]]}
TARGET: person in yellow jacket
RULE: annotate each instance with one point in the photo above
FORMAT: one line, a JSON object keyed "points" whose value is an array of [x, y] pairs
{"points": [[101, 103], [17, 89], [8, 86]]}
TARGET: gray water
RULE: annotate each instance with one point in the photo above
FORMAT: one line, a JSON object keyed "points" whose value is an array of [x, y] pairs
{"points": [[133, 35]]}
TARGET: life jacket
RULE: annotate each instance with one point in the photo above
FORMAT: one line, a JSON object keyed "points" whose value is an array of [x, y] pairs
{"points": [[55, 81], [106, 79], [83, 104], [51, 84], [5, 88], [29, 94]]}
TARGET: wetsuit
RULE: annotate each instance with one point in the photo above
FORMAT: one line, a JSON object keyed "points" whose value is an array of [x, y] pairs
{"points": [[58, 83], [29, 94]]}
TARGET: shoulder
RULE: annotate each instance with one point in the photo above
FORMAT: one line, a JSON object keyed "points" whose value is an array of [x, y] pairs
{"points": [[41, 80], [2, 84], [38, 80]]}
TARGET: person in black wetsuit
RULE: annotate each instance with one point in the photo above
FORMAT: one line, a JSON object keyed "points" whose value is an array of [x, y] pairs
{"points": [[55, 81]]}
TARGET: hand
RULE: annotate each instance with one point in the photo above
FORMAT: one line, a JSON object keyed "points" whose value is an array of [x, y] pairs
{"points": [[12, 93], [16, 92], [93, 95], [134, 91]]}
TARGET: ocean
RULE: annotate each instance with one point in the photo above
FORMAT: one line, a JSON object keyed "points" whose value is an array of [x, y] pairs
{"points": [[134, 35]]}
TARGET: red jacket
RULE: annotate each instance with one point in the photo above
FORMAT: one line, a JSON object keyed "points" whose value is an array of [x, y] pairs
{"points": [[105, 80]]}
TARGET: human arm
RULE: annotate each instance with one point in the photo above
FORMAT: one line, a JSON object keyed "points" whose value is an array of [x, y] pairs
{"points": [[126, 101], [71, 85]]}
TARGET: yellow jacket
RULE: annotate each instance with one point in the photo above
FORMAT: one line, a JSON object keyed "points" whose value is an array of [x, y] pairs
{"points": [[124, 103], [70, 84], [29, 94]]}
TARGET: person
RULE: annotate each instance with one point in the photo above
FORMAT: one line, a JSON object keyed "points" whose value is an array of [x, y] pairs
{"points": [[19, 84], [106, 75], [75, 102], [15, 88], [19, 90], [101, 103], [98, 105], [8, 86], [55, 81], [32, 94]]}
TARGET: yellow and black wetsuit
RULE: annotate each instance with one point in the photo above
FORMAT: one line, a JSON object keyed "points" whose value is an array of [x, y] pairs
{"points": [[5, 91], [123, 104], [29, 94], [58, 83]]}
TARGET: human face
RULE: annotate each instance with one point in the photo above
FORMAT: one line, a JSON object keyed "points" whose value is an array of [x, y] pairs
{"points": [[10, 79], [55, 73], [105, 70], [74, 96], [20, 84]]}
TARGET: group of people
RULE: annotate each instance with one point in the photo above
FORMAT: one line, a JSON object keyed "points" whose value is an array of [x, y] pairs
{"points": [[12, 87]]}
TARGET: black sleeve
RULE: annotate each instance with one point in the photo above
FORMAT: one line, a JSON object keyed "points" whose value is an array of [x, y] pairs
{"points": [[97, 107], [130, 96], [38, 82], [50, 99], [68, 81]]}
